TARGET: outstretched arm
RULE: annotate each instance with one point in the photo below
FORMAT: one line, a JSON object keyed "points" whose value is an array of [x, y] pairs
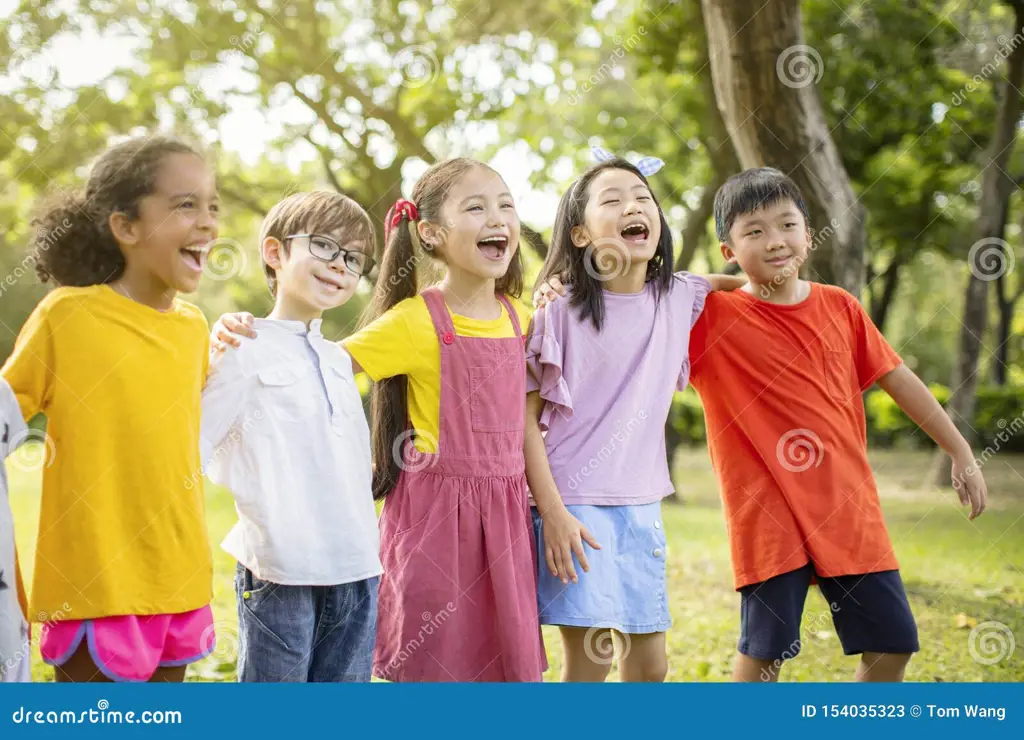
{"points": [[913, 396]]}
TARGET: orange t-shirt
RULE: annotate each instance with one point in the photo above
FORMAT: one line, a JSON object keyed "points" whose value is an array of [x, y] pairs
{"points": [[781, 388]]}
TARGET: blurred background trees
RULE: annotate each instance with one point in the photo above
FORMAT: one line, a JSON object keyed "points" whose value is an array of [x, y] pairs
{"points": [[893, 117]]}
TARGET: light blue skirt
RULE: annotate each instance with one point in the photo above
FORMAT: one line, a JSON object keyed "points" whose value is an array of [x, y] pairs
{"points": [[625, 588]]}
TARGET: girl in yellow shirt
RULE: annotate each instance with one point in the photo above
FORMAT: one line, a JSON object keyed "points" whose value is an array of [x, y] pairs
{"points": [[123, 573]]}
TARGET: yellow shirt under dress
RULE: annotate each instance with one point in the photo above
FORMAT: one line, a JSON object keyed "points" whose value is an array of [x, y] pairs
{"points": [[122, 525], [404, 342]]}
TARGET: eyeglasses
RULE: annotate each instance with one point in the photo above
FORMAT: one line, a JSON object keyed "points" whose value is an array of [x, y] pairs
{"points": [[326, 249]]}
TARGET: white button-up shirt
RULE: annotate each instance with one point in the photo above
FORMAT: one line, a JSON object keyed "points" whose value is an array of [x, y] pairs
{"points": [[283, 429]]}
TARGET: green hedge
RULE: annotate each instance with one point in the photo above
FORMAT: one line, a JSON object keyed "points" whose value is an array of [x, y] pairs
{"points": [[998, 419]]}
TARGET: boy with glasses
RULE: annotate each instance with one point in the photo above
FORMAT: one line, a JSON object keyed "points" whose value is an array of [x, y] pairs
{"points": [[283, 428]]}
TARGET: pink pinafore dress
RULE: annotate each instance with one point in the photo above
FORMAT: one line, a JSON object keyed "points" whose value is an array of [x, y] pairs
{"points": [[458, 597]]}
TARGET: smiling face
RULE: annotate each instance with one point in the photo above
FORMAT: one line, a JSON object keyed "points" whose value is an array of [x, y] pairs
{"points": [[620, 216], [769, 244], [479, 233], [307, 280], [176, 223]]}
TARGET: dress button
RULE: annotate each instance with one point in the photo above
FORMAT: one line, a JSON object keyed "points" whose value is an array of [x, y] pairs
{"points": [[245, 594], [657, 552], [657, 525], [448, 337]]}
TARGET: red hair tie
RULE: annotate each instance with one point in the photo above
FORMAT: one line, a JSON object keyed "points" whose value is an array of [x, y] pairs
{"points": [[401, 209]]}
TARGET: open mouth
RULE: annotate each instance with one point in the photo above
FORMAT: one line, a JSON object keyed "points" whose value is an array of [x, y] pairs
{"points": [[635, 232], [493, 247], [193, 256]]}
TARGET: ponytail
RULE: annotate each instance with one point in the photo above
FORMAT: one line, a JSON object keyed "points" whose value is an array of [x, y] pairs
{"points": [[403, 256], [389, 401]]}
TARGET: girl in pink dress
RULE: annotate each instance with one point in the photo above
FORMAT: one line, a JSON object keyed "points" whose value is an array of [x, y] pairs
{"points": [[458, 594]]}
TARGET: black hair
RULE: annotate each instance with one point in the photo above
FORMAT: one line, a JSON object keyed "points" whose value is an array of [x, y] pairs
{"points": [[577, 266], [73, 244], [750, 191], [396, 282]]}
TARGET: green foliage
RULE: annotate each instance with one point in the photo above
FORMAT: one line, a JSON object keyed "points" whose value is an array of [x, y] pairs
{"points": [[998, 419]]}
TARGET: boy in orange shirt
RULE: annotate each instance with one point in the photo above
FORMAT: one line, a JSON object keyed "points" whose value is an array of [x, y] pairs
{"points": [[780, 366], [787, 436]]}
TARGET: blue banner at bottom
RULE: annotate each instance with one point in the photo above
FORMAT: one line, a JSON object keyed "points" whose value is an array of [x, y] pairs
{"points": [[465, 710]]}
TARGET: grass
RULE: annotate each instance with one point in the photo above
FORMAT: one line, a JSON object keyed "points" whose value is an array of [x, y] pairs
{"points": [[959, 575]]}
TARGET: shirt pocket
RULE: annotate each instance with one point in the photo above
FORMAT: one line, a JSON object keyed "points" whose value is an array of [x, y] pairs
{"points": [[285, 394], [839, 375], [497, 397]]}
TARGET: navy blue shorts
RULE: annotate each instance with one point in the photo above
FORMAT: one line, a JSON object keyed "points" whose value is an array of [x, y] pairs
{"points": [[870, 612]]}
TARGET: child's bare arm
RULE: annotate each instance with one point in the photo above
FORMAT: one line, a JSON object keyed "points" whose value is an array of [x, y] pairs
{"points": [[564, 534], [552, 288], [913, 396], [727, 282]]}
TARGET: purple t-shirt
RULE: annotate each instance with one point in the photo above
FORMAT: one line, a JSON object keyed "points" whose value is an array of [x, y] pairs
{"points": [[608, 393]]}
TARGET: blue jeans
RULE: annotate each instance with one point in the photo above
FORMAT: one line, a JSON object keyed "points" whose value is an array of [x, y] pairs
{"points": [[305, 633]]}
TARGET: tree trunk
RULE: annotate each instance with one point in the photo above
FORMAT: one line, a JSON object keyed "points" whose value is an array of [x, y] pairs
{"points": [[986, 257], [1006, 303], [764, 79], [880, 307], [719, 148]]}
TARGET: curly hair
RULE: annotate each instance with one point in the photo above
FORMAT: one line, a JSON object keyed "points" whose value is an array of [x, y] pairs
{"points": [[73, 244]]}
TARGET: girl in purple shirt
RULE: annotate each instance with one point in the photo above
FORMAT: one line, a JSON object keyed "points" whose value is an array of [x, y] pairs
{"points": [[603, 365]]}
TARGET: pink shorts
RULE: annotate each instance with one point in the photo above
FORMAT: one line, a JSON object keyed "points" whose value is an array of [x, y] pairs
{"points": [[131, 648]]}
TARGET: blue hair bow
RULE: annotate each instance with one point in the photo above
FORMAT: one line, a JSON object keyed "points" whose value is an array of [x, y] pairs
{"points": [[647, 165]]}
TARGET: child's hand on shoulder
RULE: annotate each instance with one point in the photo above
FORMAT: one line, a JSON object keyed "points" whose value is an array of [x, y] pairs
{"points": [[970, 484], [548, 292], [229, 329], [727, 282], [564, 536]]}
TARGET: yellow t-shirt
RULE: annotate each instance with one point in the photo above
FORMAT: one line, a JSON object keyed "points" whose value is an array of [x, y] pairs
{"points": [[122, 526], [403, 342]]}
